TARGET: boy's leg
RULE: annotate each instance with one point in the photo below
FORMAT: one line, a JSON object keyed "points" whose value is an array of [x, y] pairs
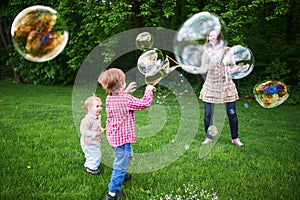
{"points": [[123, 156]]}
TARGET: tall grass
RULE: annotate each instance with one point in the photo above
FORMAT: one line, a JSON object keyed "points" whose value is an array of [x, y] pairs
{"points": [[41, 157]]}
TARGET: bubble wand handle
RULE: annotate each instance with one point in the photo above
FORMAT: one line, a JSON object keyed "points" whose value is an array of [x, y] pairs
{"points": [[103, 130], [179, 65], [173, 60]]}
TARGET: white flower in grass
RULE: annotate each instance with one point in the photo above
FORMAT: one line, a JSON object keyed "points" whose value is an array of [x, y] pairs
{"points": [[189, 192]]}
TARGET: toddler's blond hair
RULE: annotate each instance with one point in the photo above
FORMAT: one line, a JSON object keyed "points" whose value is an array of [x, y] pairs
{"points": [[90, 101]]}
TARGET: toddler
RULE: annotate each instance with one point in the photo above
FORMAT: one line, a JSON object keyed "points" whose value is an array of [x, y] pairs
{"points": [[90, 128]]}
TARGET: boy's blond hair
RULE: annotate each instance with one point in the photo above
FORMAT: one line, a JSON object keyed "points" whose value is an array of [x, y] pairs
{"points": [[112, 80]]}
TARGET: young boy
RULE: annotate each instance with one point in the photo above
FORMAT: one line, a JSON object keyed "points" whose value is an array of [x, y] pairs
{"points": [[90, 128], [120, 124]]}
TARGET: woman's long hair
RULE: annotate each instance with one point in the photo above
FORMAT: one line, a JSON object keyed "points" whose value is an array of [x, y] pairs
{"points": [[220, 39]]}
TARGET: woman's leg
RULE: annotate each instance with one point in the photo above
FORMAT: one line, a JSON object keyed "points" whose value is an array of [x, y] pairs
{"points": [[208, 117], [233, 120]]}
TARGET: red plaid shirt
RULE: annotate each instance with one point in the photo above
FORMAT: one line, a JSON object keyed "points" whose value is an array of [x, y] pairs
{"points": [[120, 123]]}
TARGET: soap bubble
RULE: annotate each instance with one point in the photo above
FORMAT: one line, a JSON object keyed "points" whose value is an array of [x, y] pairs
{"points": [[144, 41], [37, 33], [239, 61], [150, 61], [191, 37], [270, 94], [162, 72], [152, 65], [212, 130]]}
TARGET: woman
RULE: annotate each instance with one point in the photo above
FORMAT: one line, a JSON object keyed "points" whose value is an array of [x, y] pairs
{"points": [[218, 87]]}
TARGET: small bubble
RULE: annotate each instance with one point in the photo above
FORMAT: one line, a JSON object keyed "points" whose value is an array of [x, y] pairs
{"points": [[231, 111]]}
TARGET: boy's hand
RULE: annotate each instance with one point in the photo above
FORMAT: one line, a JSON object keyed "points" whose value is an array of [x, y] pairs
{"points": [[150, 87], [131, 88]]}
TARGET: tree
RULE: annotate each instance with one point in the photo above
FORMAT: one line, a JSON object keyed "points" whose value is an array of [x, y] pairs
{"points": [[7, 42], [261, 25]]}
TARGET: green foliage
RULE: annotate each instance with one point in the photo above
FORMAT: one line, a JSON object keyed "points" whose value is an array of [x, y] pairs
{"points": [[158, 17], [91, 22], [268, 27], [51, 72], [239, 15], [277, 70]]}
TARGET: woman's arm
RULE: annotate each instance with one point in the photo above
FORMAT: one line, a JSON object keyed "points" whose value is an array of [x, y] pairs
{"points": [[198, 70]]}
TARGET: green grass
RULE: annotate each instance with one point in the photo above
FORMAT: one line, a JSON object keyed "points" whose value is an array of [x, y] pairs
{"points": [[37, 130]]}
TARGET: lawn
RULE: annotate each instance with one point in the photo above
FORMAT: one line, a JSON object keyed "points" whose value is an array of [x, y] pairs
{"points": [[41, 157]]}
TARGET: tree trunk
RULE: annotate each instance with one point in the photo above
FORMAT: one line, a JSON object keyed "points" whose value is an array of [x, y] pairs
{"points": [[6, 39]]}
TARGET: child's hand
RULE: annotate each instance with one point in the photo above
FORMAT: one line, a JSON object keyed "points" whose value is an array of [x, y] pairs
{"points": [[97, 135], [131, 87], [150, 87]]}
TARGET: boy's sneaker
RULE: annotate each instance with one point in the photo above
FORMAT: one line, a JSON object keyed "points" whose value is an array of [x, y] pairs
{"points": [[127, 177], [119, 194], [88, 170], [237, 142], [207, 141]]}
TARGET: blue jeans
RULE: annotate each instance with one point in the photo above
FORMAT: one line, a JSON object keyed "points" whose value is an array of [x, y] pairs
{"points": [[231, 114], [123, 156]]}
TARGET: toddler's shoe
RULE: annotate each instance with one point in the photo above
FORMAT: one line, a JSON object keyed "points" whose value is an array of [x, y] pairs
{"points": [[237, 142], [88, 170], [119, 194], [207, 141]]}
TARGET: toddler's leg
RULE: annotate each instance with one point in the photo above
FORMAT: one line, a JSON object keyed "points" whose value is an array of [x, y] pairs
{"points": [[93, 157]]}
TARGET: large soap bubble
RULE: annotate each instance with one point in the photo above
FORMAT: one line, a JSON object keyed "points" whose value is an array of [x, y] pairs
{"points": [[38, 33], [239, 61], [153, 65], [270, 94], [191, 37], [144, 41], [150, 61], [162, 72]]}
